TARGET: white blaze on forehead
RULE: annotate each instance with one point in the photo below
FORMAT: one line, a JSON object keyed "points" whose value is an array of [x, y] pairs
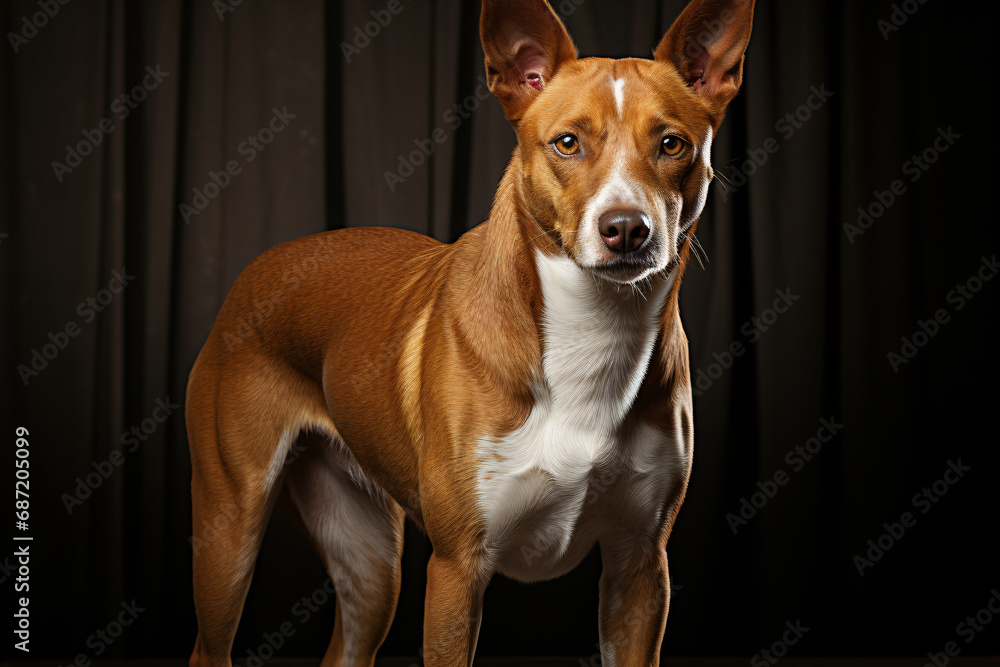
{"points": [[619, 87]]}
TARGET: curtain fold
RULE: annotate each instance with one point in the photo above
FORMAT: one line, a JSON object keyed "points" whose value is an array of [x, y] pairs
{"points": [[159, 146]]}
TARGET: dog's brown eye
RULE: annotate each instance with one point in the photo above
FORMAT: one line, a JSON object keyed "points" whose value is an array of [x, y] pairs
{"points": [[672, 145], [567, 145]]}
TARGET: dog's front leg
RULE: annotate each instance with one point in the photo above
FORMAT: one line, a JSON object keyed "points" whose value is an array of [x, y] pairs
{"points": [[453, 609], [635, 596]]}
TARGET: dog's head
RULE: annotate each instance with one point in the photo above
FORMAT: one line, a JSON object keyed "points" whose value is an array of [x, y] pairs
{"points": [[615, 154]]}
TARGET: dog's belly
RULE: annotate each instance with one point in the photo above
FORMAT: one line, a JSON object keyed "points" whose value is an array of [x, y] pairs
{"points": [[550, 491]]}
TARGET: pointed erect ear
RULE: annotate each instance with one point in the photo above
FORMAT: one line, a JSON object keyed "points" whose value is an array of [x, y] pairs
{"points": [[525, 44], [706, 44]]}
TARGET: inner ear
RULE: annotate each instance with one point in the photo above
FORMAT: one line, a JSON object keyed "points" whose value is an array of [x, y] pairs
{"points": [[695, 69], [531, 61], [525, 44]]}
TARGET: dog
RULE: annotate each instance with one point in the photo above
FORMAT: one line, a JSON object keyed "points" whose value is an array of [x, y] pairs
{"points": [[522, 394]]}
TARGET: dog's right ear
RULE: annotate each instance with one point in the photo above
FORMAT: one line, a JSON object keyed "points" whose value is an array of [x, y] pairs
{"points": [[525, 45], [707, 44]]}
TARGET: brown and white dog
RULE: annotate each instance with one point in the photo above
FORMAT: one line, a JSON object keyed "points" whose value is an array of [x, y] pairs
{"points": [[521, 394]]}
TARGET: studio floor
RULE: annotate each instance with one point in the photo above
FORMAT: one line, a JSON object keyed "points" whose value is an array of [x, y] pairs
{"points": [[565, 662]]}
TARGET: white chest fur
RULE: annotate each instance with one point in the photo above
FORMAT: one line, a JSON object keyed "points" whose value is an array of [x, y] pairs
{"points": [[540, 486]]}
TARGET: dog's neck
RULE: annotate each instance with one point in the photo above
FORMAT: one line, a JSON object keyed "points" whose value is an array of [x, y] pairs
{"points": [[501, 305]]}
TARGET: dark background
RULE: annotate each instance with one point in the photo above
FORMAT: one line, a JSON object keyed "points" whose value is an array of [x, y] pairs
{"points": [[825, 358]]}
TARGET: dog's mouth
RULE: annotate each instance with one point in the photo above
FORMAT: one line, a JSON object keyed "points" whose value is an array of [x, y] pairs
{"points": [[630, 267]]}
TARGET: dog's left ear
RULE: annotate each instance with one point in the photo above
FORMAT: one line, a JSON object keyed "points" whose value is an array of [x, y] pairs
{"points": [[525, 45], [706, 44]]}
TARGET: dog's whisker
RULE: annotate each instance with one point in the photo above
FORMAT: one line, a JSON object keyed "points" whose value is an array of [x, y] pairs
{"points": [[699, 247], [538, 236], [639, 291], [726, 183]]}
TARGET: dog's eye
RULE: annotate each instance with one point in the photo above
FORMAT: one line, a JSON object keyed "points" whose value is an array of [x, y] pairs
{"points": [[672, 145], [567, 145]]}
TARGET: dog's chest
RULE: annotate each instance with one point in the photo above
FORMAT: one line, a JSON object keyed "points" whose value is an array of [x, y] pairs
{"points": [[580, 465]]}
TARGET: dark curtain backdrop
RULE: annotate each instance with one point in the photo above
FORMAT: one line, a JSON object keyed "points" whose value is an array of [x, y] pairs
{"points": [[227, 69]]}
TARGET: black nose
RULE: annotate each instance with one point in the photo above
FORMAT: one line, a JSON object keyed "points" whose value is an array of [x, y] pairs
{"points": [[623, 229]]}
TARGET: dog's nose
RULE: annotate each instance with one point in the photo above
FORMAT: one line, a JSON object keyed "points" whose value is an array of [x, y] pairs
{"points": [[623, 230]]}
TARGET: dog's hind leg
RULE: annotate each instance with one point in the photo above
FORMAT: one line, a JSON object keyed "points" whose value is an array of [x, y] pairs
{"points": [[357, 529], [239, 442]]}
